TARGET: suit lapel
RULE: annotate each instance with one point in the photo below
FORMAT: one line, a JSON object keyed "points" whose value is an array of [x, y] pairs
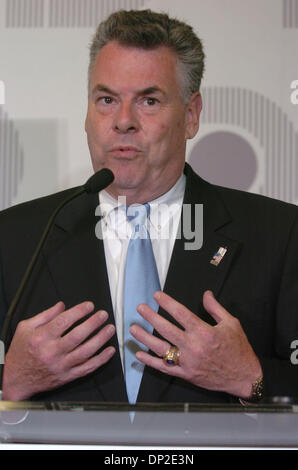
{"points": [[191, 272], [76, 261]]}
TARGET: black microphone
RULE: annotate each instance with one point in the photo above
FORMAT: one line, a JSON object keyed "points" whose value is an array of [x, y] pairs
{"points": [[99, 181], [95, 183]]}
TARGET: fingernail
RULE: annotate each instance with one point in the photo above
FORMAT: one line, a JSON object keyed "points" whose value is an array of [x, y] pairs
{"points": [[157, 295], [103, 315], [111, 329], [140, 308], [111, 350], [89, 307]]}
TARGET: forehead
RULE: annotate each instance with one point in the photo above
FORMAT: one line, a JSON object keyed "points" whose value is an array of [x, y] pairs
{"points": [[129, 67]]}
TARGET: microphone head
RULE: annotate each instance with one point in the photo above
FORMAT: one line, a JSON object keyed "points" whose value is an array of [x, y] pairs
{"points": [[100, 180]]}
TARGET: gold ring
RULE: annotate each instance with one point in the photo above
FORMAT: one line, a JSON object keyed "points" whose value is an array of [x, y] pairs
{"points": [[172, 356]]}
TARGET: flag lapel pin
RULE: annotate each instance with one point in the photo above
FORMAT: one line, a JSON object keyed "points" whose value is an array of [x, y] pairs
{"points": [[218, 256]]}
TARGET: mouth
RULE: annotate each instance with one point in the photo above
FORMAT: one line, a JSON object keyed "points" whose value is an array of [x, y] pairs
{"points": [[124, 151]]}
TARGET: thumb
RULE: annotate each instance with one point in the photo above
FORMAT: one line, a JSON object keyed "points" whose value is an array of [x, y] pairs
{"points": [[214, 308]]}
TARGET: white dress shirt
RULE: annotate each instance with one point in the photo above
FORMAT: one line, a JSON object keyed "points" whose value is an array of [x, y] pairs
{"points": [[162, 225]]}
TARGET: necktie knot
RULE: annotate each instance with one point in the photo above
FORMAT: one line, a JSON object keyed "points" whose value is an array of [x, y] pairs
{"points": [[137, 216]]}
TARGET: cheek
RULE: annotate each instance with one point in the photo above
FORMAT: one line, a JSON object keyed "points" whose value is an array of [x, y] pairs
{"points": [[173, 134], [90, 129], [96, 132]]}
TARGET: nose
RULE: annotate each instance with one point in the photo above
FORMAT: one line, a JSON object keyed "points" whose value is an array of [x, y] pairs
{"points": [[125, 119]]}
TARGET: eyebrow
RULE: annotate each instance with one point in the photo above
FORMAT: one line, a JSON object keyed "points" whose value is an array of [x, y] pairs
{"points": [[146, 91], [103, 89], [151, 90]]}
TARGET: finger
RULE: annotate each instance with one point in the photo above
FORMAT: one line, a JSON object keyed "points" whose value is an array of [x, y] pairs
{"points": [[91, 364], [81, 332], [165, 328], [182, 315], [153, 343], [47, 315], [159, 364], [90, 347], [214, 308], [66, 319]]}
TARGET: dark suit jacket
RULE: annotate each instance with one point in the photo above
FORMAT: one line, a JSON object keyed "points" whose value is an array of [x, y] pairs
{"points": [[257, 281]]}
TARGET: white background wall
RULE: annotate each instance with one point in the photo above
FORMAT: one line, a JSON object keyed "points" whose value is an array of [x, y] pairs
{"points": [[249, 121]]}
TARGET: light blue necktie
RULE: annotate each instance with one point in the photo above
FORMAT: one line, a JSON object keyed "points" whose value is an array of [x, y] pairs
{"points": [[141, 281]]}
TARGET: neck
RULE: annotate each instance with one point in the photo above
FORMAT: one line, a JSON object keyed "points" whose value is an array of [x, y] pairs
{"points": [[142, 196]]}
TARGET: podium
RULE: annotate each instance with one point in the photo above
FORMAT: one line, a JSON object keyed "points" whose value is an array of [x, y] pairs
{"points": [[183, 425]]}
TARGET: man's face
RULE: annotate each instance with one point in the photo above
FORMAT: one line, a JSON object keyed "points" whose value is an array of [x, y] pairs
{"points": [[137, 123]]}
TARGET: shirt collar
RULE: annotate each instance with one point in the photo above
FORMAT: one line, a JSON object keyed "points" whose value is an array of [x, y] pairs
{"points": [[161, 208]]}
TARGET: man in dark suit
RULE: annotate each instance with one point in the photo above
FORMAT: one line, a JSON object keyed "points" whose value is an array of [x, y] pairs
{"points": [[144, 103]]}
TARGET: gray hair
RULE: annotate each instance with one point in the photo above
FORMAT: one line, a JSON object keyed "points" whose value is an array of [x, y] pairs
{"points": [[148, 30]]}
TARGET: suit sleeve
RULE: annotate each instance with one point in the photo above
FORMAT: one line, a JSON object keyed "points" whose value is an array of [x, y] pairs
{"points": [[280, 371]]}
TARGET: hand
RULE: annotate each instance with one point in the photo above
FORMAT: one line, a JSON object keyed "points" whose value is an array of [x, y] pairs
{"points": [[213, 357], [40, 358]]}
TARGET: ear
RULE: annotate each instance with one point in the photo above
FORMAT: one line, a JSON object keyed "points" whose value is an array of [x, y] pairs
{"points": [[193, 111]]}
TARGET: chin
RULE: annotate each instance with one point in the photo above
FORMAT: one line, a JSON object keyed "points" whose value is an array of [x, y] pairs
{"points": [[128, 176], [128, 183]]}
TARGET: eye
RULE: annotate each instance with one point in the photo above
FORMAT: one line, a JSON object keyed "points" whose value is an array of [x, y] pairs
{"points": [[150, 101], [106, 100]]}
